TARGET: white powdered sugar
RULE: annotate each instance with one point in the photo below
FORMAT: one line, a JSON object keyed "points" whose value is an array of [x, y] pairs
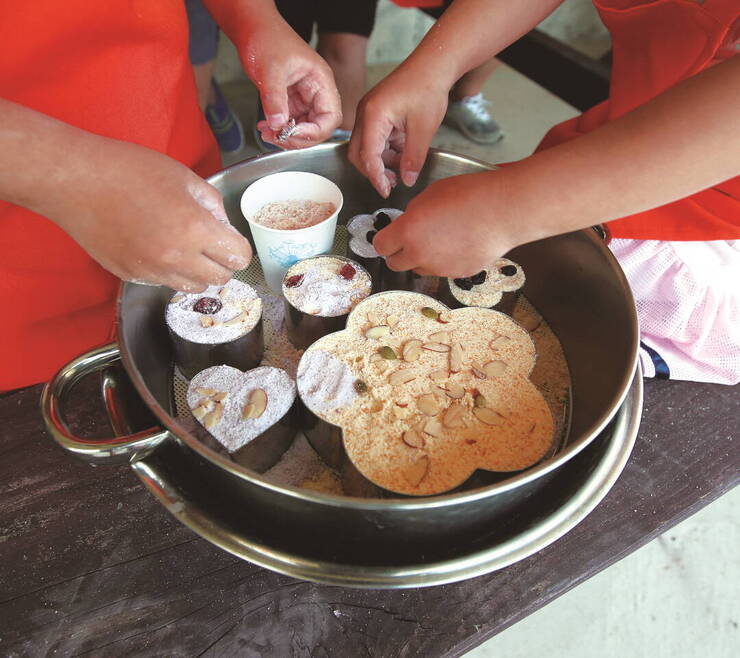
{"points": [[232, 430], [238, 300], [323, 290], [358, 228], [324, 382]]}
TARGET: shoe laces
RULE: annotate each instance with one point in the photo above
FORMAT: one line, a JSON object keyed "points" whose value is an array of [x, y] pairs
{"points": [[478, 106]]}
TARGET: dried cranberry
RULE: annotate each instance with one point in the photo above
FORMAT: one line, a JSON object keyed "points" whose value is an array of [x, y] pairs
{"points": [[381, 221], [371, 236], [347, 272], [479, 278], [294, 281], [465, 284], [508, 270], [207, 305]]}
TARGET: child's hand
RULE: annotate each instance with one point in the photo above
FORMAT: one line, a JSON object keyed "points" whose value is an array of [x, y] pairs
{"points": [[395, 124], [456, 227], [147, 218], [294, 83]]}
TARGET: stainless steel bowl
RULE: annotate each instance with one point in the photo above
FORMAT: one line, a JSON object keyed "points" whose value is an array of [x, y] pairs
{"points": [[572, 280]]}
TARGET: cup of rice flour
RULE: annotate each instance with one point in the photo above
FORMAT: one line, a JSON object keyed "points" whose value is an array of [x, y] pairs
{"points": [[292, 216]]}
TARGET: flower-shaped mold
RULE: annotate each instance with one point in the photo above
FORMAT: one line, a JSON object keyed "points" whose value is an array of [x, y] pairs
{"points": [[498, 285], [247, 413], [362, 230], [424, 395]]}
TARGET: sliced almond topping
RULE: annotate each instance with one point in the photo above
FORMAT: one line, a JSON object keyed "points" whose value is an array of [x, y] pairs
{"points": [[454, 416], [436, 347], [402, 413], [488, 416], [218, 397], [456, 357], [375, 406], [256, 404], [242, 317], [428, 404], [416, 472], [213, 418], [478, 371], [495, 368], [499, 341], [439, 375], [403, 376], [392, 321], [434, 428], [177, 298], [413, 439], [208, 392], [375, 356], [207, 321], [381, 365], [378, 331], [200, 411], [374, 318], [440, 337], [412, 350], [223, 292], [454, 390]]}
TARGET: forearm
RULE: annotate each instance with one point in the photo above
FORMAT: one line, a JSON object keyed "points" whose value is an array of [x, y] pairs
{"points": [[39, 157], [241, 18], [683, 141], [470, 32]]}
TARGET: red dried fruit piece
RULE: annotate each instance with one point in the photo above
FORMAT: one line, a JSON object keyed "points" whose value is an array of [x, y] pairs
{"points": [[294, 281], [347, 272], [207, 305], [471, 442]]}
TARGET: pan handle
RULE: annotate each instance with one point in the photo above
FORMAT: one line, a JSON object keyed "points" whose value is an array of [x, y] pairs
{"points": [[102, 451]]}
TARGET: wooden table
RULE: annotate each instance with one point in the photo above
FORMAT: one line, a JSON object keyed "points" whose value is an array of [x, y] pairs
{"points": [[90, 563]]}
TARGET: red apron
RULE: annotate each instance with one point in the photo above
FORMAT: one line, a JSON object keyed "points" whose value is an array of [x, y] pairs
{"points": [[117, 68], [655, 45]]}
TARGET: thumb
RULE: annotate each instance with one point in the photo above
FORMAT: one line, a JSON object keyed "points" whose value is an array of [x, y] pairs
{"points": [[419, 134], [274, 97]]}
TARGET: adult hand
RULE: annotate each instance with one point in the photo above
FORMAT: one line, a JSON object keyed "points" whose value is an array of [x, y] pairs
{"points": [[295, 83], [395, 124], [147, 218], [456, 227]]}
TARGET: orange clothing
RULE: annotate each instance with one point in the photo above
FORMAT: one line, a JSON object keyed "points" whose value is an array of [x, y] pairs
{"points": [[117, 68], [655, 45]]}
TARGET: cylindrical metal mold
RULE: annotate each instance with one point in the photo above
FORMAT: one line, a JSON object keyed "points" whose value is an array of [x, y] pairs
{"points": [[304, 329], [243, 353]]}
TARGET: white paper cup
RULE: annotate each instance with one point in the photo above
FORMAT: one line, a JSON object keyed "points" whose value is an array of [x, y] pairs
{"points": [[279, 249]]}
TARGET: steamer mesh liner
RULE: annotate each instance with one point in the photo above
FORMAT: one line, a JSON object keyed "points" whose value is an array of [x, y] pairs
{"points": [[301, 466]]}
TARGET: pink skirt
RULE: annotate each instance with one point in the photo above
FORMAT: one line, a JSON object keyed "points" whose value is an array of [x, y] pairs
{"points": [[688, 303]]}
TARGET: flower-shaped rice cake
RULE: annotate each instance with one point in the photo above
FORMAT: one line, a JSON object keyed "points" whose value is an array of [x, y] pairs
{"points": [[363, 228], [425, 395]]}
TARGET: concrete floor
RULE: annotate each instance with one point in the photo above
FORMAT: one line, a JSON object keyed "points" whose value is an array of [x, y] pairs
{"points": [[678, 597]]}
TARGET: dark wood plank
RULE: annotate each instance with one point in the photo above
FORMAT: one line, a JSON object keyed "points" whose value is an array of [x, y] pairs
{"points": [[91, 564]]}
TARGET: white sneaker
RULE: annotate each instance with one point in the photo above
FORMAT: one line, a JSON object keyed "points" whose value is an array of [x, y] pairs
{"points": [[472, 118]]}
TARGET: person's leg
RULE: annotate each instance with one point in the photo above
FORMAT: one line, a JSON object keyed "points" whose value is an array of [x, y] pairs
{"points": [[344, 28], [346, 54], [224, 123], [468, 110], [471, 84], [203, 76]]}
